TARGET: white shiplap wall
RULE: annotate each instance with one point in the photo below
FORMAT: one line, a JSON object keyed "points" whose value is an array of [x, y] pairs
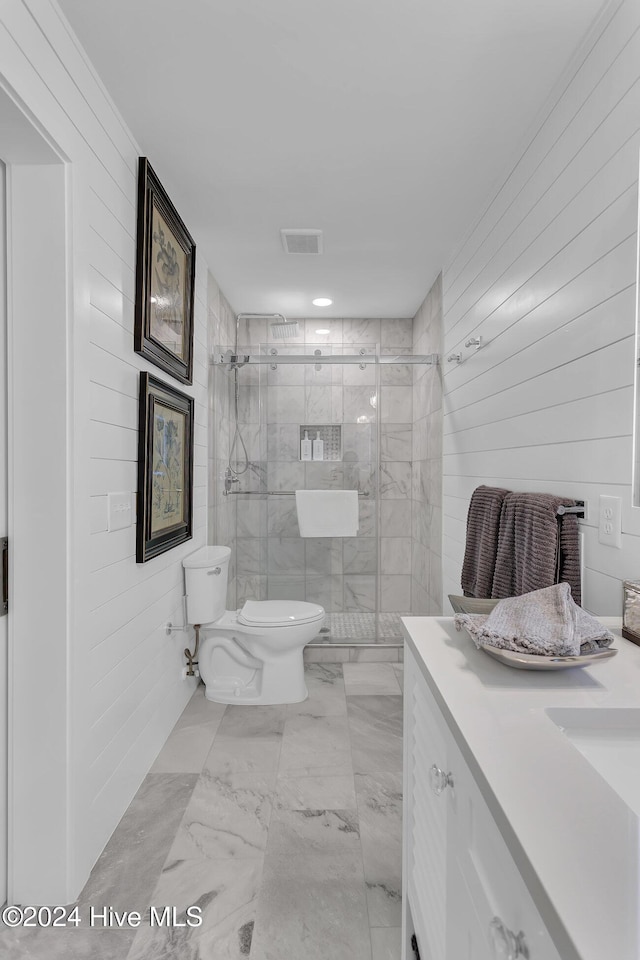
{"points": [[547, 278], [125, 689]]}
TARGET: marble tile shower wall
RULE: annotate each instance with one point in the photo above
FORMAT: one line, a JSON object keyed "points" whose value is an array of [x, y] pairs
{"points": [[426, 484], [273, 562], [221, 524]]}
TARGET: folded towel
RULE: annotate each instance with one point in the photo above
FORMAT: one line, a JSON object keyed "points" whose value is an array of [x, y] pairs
{"points": [[483, 520], [547, 622], [536, 547], [327, 513]]}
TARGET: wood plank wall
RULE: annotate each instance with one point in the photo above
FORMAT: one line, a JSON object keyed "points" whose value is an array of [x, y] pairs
{"points": [[547, 277]]}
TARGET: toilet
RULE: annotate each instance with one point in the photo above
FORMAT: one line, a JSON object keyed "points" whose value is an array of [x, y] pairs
{"points": [[251, 655]]}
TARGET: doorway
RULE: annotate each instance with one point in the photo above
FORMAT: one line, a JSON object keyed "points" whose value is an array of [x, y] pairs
{"points": [[3, 530]]}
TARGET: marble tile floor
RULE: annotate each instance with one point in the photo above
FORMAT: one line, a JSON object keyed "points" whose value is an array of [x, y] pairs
{"points": [[282, 825]]}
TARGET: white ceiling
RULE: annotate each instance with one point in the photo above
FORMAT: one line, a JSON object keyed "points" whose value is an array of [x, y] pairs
{"points": [[385, 123]]}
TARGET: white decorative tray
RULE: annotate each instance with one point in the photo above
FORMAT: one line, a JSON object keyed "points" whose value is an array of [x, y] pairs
{"points": [[534, 661]]}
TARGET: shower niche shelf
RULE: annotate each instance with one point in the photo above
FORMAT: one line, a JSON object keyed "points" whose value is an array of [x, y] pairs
{"points": [[331, 436]]}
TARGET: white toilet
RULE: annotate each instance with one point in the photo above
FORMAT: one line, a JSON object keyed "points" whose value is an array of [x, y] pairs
{"points": [[252, 655]]}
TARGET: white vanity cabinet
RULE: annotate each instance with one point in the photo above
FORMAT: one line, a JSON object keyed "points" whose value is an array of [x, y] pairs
{"points": [[463, 894]]}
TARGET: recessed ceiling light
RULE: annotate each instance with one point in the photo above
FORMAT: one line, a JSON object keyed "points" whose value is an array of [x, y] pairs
{"points": [[322, 332], [322, 302]]}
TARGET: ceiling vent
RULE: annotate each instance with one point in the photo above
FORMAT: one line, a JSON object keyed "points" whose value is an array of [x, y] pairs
{"points": [[301, 241]]}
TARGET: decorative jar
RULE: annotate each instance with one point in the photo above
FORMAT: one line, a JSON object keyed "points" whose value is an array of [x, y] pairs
{"points": [[631, 610]]}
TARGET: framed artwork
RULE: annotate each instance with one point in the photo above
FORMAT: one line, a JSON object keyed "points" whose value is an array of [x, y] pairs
{"points": [[165, 278], [165, 468]]}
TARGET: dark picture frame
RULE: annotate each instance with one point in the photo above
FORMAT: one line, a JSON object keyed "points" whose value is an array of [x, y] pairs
{"points": [[165, 468], [165, 280]]}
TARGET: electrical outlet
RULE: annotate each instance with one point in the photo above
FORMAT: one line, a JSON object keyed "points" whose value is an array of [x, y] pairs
{"points": [[610, 521]]}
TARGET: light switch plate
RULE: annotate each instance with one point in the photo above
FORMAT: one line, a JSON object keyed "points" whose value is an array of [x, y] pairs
{"points": [[610, 521], [119, 514]]}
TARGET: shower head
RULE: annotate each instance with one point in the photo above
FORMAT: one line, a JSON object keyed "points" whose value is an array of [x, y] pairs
{"points": [[280, 326], [281, 329]]}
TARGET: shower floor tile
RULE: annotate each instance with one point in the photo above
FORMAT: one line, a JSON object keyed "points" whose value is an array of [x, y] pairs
{"points": [[360, 627], [287, 838]]}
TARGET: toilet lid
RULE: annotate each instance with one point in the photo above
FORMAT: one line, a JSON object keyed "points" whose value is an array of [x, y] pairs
{"points": [[279, 613]]}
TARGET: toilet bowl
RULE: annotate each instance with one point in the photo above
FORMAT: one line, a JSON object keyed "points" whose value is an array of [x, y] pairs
{"points": [[250, 655]]}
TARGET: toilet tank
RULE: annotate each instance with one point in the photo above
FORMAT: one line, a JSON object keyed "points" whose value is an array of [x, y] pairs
{"points": [[206, 573]]}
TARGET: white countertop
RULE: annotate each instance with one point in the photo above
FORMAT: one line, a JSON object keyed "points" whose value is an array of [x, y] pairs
{"points": [[576, 843]]}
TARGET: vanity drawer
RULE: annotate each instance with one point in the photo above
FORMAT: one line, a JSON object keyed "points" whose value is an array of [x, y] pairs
{"points": [[492, 878]]}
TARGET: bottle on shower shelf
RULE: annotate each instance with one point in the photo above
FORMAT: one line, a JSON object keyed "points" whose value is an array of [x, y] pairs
{"points": [[318, 447], [305, 447]]}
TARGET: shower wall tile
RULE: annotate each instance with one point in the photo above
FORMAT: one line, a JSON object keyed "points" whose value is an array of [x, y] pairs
{"points": [[360, 555], [367, 508], [359, 592], [285, 475], [282, 518], [322, 374], [323, 556], [252, 517], [252, 330], [285, 374], [355, 376], [396, 404], [395, 516], [327, 591], [285, 404], [251, 588], [311, 326], [324, 476], [420, 563], [397, 333], [251, 555], [360, 404], [358, 442], [318, 404], [395, 555], [249, 405], [396, 441], [360, 477], [395, 481], [283, 441], [283, 587], [285, 556], [395, 593], [337, 404], [361, 331], [426, 580], [396, 374]]}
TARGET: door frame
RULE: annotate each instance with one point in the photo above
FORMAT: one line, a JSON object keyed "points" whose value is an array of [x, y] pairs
{"points": [[40, 426]]}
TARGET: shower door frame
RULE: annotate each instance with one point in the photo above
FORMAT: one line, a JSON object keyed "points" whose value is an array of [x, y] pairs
{"points": [[270, 355]]}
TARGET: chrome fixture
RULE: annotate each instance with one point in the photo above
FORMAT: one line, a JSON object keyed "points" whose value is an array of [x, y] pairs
{"points": [[579, 510], [281, 493], [454, 358], [474, 342], [230, 477]]}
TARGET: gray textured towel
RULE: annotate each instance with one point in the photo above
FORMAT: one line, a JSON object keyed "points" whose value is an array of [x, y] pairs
{"points": [[483, 520], [545, 622], [536, 548]]}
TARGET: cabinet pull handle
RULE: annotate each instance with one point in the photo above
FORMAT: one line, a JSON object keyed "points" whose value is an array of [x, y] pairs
{"points": [[439, 780], [507, 945]]}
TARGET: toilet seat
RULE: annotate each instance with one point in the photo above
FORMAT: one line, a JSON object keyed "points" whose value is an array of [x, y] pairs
{"points": [[279, 613]]}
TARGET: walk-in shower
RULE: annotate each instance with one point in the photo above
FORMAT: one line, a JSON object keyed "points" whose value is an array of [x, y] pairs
{"points": [[358, 400]]}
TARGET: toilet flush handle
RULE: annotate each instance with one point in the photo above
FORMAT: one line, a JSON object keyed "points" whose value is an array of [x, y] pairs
{"points": [[215, 572]]}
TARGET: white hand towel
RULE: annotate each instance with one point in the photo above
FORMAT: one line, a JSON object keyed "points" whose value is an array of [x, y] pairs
{"points": [[327, 513]]}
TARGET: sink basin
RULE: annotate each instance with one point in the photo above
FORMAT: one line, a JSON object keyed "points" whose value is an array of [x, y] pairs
{"points": [[609, 738]]}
